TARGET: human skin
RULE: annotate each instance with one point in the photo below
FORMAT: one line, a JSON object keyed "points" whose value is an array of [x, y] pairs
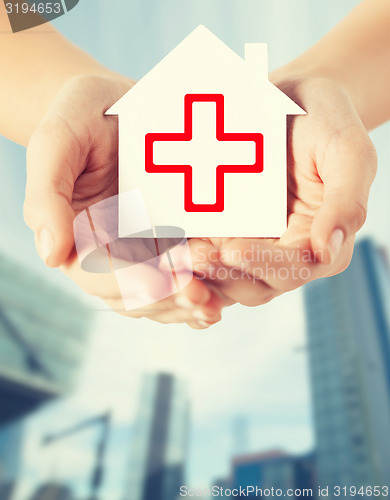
{"points": [[72, 158], [329, 176], [72, 161], [342, 83], [71, 165]]}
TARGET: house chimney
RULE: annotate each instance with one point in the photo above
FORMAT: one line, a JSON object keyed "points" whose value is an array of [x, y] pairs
{"points": [[256, 54]]}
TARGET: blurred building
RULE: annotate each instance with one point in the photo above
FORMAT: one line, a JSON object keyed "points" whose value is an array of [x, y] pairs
{"points": [[349, 348], [240, 434], [159, 445], [52, 491], [224, 486], [274, 469], [95, 474], [11, 446], [43, 334], [43, 338], [7, 489]]}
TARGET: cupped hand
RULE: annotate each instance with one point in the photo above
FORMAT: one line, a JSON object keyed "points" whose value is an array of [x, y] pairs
{"points": [[71, 165], [331, 166]]}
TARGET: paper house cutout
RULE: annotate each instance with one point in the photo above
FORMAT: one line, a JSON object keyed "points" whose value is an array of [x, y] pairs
{"points": [[203, 135]]}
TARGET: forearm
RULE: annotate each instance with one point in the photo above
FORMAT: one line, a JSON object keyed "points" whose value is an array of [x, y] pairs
{"points": [[356, 53], [34, 66]]}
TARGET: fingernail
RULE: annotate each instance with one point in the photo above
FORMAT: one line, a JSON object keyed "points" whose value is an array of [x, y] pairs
{"points": [[45, 244], [185, 302], [204, 324], [335, 243], [198, 314]]}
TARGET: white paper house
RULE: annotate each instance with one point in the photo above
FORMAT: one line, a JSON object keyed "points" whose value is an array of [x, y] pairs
{"points": [[203, 135]]}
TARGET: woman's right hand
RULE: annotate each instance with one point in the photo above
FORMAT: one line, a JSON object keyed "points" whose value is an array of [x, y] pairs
{"points": [[72, 164]]}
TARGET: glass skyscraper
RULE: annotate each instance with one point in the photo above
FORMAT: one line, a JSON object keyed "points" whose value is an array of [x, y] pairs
{"points": [[11, 457], [43, 337], [348, 324], [274, 469], [159, 445]]}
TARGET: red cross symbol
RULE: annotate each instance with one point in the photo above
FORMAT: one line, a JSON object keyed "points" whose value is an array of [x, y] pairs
{"points": [[187, 137]]}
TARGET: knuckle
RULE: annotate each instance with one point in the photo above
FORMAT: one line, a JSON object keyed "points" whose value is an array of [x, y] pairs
{"points": [[257, 300], [63, 187]]}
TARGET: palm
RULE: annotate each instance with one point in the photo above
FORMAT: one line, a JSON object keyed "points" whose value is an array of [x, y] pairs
{"points": [[91, 166], [98, 178]]}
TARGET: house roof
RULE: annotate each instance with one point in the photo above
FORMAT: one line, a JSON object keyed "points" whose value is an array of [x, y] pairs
{"points": [[198, 45]]}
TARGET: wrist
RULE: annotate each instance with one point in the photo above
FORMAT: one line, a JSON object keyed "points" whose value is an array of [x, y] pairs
{"points": [[297, 74], [304, 88], [107, 86], [112, 85], [95, 75]]}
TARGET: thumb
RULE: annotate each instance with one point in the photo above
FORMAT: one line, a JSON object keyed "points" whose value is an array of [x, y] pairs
{"points": [[347, 173], [49, 189]]}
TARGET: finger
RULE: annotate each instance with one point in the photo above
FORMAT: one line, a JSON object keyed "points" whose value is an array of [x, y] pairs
{"points": [[199, 325], [143, 281], [178, 315], [210, 312], [166, 311], [234, 285], [140, 282], [243, 287], [174, 316], [347, 172], [280, 268], [52, 157], [101, 285], [195, 295], [196, 302], [204, 255]]}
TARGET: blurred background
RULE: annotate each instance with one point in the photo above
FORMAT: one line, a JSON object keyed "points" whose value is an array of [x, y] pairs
{"points": [[294, 394]]}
